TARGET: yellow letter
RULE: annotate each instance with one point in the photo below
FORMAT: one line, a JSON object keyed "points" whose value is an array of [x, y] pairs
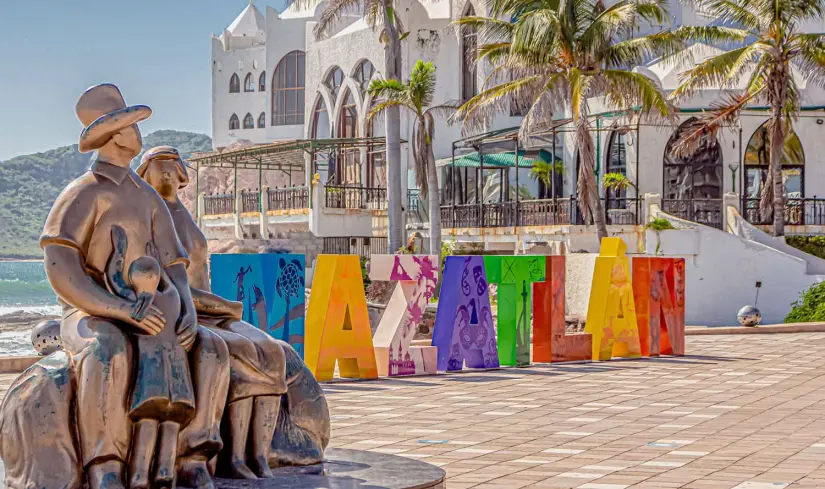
{"points": [[337, 323], [611, 314]]}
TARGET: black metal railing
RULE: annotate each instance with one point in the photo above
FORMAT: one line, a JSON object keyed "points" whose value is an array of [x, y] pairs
{"points": [[288, 198], [219, 204], [798, 212], [539, 212], [413, 199], [702, 211], [361, 246], [342, 197], [250, 201]]}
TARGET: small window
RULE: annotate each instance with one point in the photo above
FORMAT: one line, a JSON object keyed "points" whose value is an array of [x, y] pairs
{"points": [[234, 123], [234, 84], [262, 82], [262, 120], [334, 81], [248, 122], [249, 83]]}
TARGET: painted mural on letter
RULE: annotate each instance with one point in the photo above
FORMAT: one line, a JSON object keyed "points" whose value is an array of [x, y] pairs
{"points": [[463, 329], [271, 288], [417, 276]]}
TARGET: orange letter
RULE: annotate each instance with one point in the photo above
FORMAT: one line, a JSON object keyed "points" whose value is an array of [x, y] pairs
{"points": [[659, 290]]}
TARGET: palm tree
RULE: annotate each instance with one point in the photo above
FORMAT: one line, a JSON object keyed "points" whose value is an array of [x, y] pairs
{"points": [[557, 54], [544, 172], [416, 96], [770, 44], [379, 13]]}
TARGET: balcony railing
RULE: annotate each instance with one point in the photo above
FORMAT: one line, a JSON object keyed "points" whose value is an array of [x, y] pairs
{"points": [[798, 212], [361, 246], [341, 197], [288, 198], [540, 212], [250, 201], [219, 204], [703, 211]]}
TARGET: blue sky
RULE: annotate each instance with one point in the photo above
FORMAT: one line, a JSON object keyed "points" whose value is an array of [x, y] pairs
{"points": [[156, 51]]}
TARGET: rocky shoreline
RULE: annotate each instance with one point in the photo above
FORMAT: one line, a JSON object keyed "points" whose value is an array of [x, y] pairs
{"points": [[22, 321]]}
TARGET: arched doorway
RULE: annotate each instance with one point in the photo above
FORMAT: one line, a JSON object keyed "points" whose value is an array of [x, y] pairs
{"points": [[617, 163], [757, 159], [692, 185], [347, 127]]}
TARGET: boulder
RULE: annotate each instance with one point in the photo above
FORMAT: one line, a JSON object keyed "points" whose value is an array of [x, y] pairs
{"points": [[37, 425], [303, 424]]}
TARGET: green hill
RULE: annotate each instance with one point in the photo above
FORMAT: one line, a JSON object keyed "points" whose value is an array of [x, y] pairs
{"points": [[29, 185]]}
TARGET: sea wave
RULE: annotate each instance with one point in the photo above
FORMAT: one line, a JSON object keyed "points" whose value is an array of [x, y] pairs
{"points": [[21, 293]]}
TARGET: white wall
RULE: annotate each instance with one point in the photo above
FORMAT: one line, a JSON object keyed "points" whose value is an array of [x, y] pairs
{"points": [[225, 63], [721, 271]]}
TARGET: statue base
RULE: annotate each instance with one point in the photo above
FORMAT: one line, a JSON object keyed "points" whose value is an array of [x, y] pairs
{"points": [[350, 469]]}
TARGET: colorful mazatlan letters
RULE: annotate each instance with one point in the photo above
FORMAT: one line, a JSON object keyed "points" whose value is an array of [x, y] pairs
{"points": [[550, 343], [463, 329], [659, 290], [271, 287], [337, 323], [515, 276], [417, 276], [611, 313]]}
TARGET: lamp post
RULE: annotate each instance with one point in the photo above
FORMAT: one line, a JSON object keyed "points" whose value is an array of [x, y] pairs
{"points": [[733, 169]]}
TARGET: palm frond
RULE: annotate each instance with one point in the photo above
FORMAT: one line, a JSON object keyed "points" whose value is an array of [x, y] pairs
{"points": [[445, 110], [736, 12], [387, 88], [712, 72], [332, 13], [629, 89], [380, 107]]}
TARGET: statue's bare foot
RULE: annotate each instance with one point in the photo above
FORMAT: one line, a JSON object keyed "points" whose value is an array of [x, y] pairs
{"points": [[194, 474], [106, 475], [261, 466], [239, 470]]}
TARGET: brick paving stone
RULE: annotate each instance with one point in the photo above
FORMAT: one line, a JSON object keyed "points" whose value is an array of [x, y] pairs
{"points": [[739, 411]]}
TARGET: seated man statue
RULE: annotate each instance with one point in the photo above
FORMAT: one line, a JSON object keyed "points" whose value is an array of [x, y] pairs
{"points": [[98, 326]]}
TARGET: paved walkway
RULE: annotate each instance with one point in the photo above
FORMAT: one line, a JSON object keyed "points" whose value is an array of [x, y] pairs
{"points": [[742, 412]]}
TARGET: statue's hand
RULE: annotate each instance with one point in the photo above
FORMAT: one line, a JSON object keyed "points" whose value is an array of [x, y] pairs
{"points": [[152, 323], [187, 330]]}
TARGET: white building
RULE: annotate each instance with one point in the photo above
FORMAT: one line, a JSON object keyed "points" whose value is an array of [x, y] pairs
{"points": [[274, 81]]}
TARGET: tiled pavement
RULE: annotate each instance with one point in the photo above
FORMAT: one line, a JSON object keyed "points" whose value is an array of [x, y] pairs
{"points": [[741, 411]]}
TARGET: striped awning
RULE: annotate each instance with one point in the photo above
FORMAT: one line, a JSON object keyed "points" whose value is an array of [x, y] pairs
{"points": [[506, 159]]}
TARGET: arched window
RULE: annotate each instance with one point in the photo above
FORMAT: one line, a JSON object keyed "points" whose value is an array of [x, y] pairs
{"points": [[376, 154], [347, 127], [249, 83], [288, 90], [363, 74], [469, 48], [334, 81], [757, 159], [617, 163], [262, 82], [234, 123], [262, 120], [693, 184], [321, 129], [234, 84], [248, 122]]}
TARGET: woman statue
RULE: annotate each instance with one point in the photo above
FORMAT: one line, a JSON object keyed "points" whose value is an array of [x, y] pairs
{"points": [[257, 362]]}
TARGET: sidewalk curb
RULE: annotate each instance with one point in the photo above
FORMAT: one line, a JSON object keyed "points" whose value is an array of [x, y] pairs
{"points": [[766, 329]]}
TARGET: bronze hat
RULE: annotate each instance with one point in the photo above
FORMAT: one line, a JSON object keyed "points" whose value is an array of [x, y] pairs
{"points": [[164, 153], [103, 112]]}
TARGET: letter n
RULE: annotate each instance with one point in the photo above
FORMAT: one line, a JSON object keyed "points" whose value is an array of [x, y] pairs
{"points": [[337, 323], [659, 291]]}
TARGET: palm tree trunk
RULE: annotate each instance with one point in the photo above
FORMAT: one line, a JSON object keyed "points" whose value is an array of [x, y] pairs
{"points": [[777, 144], [588, 190], [434, 198], [392, 118]]}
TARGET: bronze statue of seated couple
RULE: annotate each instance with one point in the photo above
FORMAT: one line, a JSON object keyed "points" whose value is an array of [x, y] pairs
{"points": [[158, 382]]}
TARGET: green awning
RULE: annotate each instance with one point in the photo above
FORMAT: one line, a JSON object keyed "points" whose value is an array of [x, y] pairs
{"points": [[495, 160]]}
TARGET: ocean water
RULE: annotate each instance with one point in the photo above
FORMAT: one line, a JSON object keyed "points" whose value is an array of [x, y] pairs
{"points": [[23, 287]]}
